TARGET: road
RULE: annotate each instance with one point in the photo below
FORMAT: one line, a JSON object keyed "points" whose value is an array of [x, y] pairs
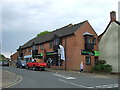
{"points": [[61, 79]]}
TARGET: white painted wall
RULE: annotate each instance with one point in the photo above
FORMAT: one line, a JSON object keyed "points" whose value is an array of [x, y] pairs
{"points": [[108, 46]]}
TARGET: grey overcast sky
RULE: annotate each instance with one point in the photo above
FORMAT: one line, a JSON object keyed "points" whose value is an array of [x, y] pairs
{"points": [[22, 20]]}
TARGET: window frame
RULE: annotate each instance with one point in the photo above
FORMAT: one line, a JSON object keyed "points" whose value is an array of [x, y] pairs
{"points": [[86, 61], [41, 46], [50, 45]]}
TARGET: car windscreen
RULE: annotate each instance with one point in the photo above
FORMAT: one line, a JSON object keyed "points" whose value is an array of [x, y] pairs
{"points": [[23, 62]]}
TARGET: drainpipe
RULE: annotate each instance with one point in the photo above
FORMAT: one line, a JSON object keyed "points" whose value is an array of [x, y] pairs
{"points": [[65, 55]]}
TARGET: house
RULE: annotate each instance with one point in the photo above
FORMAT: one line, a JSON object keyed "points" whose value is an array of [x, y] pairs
{"points": [[67, 46], [14, 56], [108, 43]]}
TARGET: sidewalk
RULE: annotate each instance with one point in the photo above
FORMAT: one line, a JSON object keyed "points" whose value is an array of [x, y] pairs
{"points": [[100, 75], [9, 79]]}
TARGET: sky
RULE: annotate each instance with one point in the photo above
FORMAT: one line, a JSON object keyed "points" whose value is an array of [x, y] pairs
{"points": [[22, 20]]}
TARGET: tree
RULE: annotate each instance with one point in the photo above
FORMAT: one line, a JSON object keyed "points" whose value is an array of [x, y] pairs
{"points": [[43, 33]]}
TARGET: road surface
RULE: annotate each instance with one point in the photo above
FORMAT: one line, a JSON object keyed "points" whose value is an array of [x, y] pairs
{"points": [[61, 79]]}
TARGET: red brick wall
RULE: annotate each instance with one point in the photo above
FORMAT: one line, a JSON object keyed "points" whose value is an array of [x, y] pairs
{"points": [[74, 44], [14, 56]]}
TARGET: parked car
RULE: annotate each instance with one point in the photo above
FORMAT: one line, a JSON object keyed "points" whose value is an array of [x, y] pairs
{"points": [[21, 64], [36, 65], [5, 63]]}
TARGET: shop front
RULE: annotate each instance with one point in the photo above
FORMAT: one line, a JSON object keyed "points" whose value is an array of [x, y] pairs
{"points": [[28, 58]]}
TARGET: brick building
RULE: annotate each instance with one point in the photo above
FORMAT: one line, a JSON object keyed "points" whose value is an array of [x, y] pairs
{"points": [[14, 56], [79, 42]]}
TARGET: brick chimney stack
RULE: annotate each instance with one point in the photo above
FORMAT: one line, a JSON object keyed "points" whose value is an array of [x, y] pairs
{"points": [[112, 16]]}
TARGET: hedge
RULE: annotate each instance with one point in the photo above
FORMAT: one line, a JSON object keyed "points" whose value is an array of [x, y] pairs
{"points": [[101, 66]]}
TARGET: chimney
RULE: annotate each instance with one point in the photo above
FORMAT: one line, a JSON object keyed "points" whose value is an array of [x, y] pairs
{"points": [[112, 16], [70, 25]]}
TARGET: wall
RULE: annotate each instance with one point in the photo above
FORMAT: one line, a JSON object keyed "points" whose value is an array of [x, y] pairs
{"points": [[108, 46], [14, 56], [74, 44], [78, 58]]}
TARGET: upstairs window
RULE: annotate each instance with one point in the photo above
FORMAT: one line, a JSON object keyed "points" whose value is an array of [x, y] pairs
{"points": [[56, 41], [50, 44], [34, 47], [89, 39], [29, 50], [41, 46], [94, 41]]}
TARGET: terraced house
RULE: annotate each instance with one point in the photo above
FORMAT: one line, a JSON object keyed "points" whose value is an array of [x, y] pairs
{"points": [[67, 47]]}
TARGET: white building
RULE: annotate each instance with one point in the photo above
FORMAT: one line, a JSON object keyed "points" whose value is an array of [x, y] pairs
{"points": [[108, 43]]}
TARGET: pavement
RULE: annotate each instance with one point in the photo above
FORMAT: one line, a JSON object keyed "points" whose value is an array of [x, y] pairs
{"points": [[9, 79], [102, 75]]}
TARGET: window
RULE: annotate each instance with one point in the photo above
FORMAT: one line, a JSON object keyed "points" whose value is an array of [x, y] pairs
{"points": [[94, 41], [29, 50], [51, 44], [24, 51], [41, 47], [88, 60], [34, 47], [56, 41], [88, 39]]}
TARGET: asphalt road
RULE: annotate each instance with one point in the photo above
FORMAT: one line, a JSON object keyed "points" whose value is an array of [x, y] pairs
{"points": [[60, 79]]}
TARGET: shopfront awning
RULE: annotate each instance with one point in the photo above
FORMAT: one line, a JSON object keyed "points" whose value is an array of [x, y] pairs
{"points": [[92, 53], [51, 53], [40, 54], [28, 56], [96, 53]]}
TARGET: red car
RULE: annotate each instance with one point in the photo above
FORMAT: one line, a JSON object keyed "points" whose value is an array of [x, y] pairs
{"points": [[36, 65]]}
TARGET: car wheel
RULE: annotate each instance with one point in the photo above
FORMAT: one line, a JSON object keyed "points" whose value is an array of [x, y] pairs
{"points": [[43, 69], [27, 67], [20, 66], [34, 68]]}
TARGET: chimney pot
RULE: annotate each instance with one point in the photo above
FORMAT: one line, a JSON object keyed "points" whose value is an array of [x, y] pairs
{"points": [[113, 16], [70, 25]]}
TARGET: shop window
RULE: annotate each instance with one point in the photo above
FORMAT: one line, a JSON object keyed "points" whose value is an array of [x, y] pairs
{"points": [[88, 60], [40, 57], [41, 46]]}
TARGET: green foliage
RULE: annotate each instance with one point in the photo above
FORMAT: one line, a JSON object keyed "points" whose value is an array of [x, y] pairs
{"points": [[100, 62], [107, 68], [43, 33], [101, 66]]}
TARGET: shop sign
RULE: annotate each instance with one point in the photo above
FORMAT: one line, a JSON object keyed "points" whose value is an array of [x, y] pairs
{"points": [[84, 52], [96, 53], [51, 53], [92, 53], [41, 54]]}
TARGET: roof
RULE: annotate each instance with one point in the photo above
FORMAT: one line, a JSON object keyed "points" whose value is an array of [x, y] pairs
{"points": [[61, 32], [87, 33], [100, 36]]}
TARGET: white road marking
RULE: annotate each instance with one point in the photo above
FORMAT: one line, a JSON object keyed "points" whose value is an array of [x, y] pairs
{"points": [[107, 86], [66, 77], [101, 86], [74, 84]]}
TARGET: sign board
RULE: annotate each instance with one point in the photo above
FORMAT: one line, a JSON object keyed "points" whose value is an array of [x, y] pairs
{"points": [[92, 53]]}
